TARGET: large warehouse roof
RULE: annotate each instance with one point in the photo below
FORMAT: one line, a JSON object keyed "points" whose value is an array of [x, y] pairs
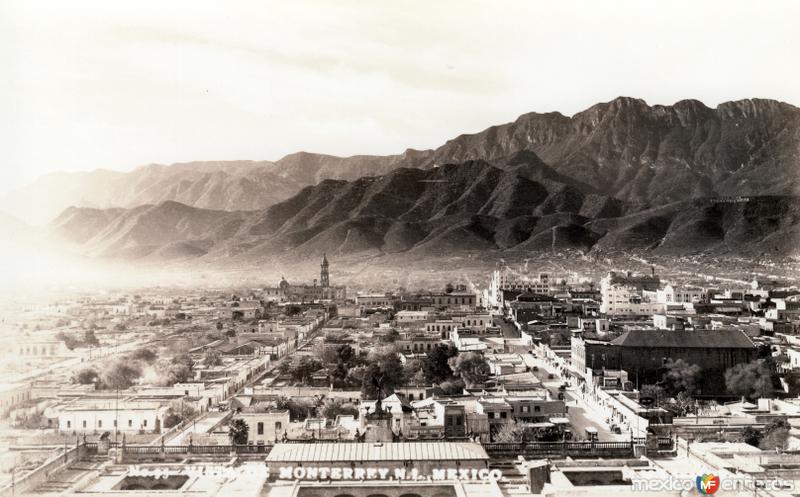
{"points": [[360, 452]]}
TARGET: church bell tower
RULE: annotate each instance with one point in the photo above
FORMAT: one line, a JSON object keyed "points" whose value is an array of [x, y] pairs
{"points": [[324, 279]]}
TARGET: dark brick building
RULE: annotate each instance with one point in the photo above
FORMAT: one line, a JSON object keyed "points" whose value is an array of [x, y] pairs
{"points": [[644, 353]]}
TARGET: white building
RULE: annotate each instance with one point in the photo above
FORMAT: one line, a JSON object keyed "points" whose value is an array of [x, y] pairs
{"points": [[507, 279], [680, 295], [13, 394], [624, 295], [475, 321], [97, 416], [412, 316]]}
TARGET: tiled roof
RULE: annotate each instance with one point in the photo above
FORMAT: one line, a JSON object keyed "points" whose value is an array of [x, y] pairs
{"points": [[730, 339], [360, 452]]}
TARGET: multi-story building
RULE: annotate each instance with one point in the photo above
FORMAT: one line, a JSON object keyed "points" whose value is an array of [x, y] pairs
{"points": [[286, 292], [405, 317], [680, 295], [454, 300], [643, 353], [624, 295], [375, 300]]}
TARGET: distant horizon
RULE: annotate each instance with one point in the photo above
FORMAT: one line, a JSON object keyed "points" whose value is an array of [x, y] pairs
{"points": [[130, 169], [114, 85]]}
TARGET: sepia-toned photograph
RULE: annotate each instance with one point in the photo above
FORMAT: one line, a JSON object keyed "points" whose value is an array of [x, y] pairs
{"points": [[454, 248]]}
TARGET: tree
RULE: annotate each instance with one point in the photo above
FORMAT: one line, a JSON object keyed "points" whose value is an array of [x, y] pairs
{"points": [[338, 361], [336, 407], [184, 360], [89, 338], [238, 432], [752, 380], [682, 404], [212, 358], [296, 411], [120, 375], [556, 339], [412, 371], [86, 376], [144, 355], [355, 376], [654, 392], [69, 340], [680, 376], [472, 367], [776, 434], [177, 373], [176, 370], [283, 366], [177, 413], [452, 387], [302, 369], [384, 372], [752, 436], [509, 432], [773, 436], [435, 364]]}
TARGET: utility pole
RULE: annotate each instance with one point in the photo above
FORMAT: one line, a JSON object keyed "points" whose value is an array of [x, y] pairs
{"points": [[116, 416]]}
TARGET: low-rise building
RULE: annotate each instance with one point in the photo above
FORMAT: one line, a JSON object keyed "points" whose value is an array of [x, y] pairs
{"points": [[265, 424]]}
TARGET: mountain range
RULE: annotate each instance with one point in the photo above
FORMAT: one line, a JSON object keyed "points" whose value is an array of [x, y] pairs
{"points": [[620, 175], [443, 211], [625, 148]]}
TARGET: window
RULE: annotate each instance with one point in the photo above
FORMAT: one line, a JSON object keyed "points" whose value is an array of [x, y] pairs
{"points": [[84, 423], [145, 423], [99, 423], [69, 424], [503, 415], [278, 426], [130, 423], [537, 408], [260, 428], [115, 423], [526, 408]]}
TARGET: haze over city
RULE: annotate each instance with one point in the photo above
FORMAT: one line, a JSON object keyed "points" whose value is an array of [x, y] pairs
{"points": [[415, 249]]}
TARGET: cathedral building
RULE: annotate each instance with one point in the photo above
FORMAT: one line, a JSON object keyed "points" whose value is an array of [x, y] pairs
{"points": [[287, 292]]}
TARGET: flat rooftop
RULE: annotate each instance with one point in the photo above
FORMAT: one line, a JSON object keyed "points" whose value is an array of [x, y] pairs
{"points": [[401, 451]]}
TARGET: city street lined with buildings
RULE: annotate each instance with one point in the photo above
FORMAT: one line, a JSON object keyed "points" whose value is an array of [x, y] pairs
{"points": [[536, 375]]}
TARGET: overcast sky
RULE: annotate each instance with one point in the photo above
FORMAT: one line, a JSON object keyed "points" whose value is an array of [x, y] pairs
{"points": [[114, 84]]}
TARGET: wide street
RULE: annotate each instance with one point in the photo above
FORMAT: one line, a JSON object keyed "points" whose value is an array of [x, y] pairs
{"points": [[580, 415]]}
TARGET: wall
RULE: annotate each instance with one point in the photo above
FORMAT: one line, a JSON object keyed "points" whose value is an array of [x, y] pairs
{"points": [[40, 475], [274, 425], [103, 420]]}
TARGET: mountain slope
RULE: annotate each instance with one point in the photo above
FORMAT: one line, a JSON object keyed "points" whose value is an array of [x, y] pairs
{"points": [[446, 211], [168, 230], [227, 185], [655, 154], [626, 149]]}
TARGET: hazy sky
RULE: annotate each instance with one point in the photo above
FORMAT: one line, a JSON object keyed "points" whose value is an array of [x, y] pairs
{"points": [[113, 84]]}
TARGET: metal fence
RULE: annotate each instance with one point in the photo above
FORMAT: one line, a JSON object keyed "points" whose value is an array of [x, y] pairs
{"points": [[555, 447]]}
